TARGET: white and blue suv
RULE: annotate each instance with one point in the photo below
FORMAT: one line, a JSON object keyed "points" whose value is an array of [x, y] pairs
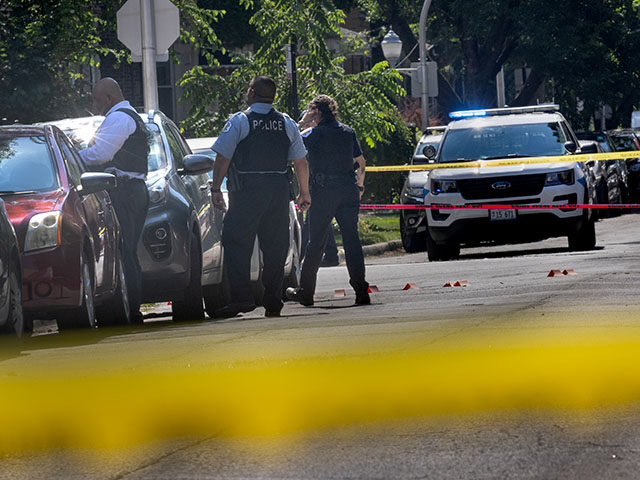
{"points": [[493, 135]]}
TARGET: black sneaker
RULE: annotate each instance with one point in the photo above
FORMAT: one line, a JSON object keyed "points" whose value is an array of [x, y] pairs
{"points": [[329, 262], [296, 295], [233, 309], [363, 298]]}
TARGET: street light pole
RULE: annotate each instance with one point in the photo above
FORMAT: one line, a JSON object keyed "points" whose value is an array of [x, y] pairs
{"points": [[423, 63]]}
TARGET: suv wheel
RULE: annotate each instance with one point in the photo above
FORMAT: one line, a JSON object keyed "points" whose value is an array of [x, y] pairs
{"points": [[412, 243], [441, 253], [189, 307], [116, 310], [584, 238]]}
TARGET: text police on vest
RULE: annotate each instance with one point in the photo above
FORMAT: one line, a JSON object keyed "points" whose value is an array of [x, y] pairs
{"points": [[268, 125]]}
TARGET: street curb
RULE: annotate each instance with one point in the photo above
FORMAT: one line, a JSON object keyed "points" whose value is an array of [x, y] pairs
{"points": [[375, 249]]}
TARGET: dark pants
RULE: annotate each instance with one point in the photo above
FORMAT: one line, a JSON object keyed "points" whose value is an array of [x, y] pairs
{"points": [[261, 208], [342, 201], [131, 203], [330, 251]]}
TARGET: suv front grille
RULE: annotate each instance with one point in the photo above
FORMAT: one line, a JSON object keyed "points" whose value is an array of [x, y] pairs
{"points": [[501, 187]]}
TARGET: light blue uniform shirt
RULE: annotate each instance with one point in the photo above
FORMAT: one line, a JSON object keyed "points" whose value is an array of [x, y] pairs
{"points": [[237, 129]]}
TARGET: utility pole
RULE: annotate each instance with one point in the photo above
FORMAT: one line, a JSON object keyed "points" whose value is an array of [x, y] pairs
{"points": [[294, 80], [423, 63]]}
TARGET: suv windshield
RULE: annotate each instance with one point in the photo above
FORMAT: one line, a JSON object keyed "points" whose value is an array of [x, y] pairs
{"points": [[26, 165], [83, 133], [503, 141]]}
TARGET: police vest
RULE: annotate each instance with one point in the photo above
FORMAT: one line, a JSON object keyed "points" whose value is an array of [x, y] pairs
{"points": [[134, 154], [330, 149], [266, 148]]}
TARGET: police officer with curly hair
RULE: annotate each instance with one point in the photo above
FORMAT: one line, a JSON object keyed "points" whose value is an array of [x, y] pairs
{"points": [[337, 169], [254, 150]]}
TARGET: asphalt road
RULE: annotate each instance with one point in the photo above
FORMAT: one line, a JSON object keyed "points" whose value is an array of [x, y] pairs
{"points": [[508, 291]]}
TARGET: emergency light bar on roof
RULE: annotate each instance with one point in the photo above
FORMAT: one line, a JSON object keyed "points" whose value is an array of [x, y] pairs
{"points": [[546, 107]]}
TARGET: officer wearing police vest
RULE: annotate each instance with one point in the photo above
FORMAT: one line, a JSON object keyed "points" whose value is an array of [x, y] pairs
{"points": [[333, 153], [120, 146], [254, 150]]}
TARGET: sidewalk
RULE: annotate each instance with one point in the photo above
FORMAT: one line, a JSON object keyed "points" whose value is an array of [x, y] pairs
{"points": [[375, 249]]}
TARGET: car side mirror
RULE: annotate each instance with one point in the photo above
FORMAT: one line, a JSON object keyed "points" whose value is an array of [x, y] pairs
{"points": [[429, 151], [196, 164], [589, 148], [92, 182], [570, 147]]}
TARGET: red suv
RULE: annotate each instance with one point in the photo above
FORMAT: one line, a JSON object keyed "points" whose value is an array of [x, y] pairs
{"points": [[66, 228]]}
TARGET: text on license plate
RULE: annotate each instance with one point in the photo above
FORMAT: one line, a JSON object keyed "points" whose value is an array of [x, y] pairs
{"points": [[506, 214]]}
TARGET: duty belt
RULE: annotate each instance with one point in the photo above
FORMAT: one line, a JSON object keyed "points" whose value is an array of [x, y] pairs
{"points": [[321, 179]]}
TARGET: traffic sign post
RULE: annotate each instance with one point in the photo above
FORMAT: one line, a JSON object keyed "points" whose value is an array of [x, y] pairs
{"points": [[148, 28]]}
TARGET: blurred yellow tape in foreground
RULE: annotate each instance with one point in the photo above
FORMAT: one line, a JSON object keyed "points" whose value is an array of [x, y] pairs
{"points": [[477, 372], [586, 157]]}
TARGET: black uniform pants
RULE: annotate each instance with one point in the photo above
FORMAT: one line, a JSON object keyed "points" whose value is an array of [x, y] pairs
{"points": [[330, 251], [131, 203], [261, 208], [342, 201]]}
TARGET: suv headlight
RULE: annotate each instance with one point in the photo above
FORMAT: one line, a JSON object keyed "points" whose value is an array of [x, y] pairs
{"points": [[565, 177], [45, 230], [443, 186], [158, 191]]}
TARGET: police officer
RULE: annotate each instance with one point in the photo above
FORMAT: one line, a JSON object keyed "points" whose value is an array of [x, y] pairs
{"points": [[253, 151], [333, 151], [120, 146]]}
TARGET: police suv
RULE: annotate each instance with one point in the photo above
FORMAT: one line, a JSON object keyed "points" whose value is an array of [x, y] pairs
{"points": [[489, 136]]}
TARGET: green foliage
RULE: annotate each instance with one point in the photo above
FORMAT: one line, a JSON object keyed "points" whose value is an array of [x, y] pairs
{"points": [[366, 99]]}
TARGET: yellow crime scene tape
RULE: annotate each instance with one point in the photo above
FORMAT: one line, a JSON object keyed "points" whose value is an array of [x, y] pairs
{"points": [[107, 395], [582, 157]]}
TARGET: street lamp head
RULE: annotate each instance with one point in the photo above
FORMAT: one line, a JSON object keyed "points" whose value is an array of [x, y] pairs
{"points": [[391, 47]]}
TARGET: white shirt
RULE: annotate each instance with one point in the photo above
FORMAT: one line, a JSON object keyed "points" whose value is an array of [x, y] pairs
{"points": [[110, 137]]}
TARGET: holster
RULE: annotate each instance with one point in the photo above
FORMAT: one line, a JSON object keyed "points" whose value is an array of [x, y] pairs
{"points": [[235, 181]]}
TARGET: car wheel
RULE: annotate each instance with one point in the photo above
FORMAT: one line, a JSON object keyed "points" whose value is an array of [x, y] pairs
{"points": [[85, 316], [189, 307], [584, 238], [216, 296], [15, 318], [116, 310], [441, 253], [412, 243]]}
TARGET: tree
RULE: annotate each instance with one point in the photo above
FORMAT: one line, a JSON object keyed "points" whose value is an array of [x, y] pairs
{"points": [[366, 99]]}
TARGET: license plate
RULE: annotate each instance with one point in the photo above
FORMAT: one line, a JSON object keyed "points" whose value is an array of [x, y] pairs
{"points": [[506, 214]]}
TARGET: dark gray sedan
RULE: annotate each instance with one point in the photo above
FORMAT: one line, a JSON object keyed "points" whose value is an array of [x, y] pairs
{"points": [[11, 318]]}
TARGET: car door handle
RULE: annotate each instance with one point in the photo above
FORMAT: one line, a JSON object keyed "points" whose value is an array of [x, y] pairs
{"points": [[204, 187]]}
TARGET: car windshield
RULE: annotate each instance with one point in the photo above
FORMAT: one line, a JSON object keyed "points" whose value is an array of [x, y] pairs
{"points": [[83, 133], [26, 165], [503, 141], [624, 143]]}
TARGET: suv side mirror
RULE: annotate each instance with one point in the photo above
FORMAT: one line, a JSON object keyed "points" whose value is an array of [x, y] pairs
{"points": [[196, 164], [92, 182], [589, 148], [429, 151], [570, 147]]}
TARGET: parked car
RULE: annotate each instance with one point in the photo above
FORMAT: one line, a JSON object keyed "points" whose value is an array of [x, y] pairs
{"points": [[616, 171], [67, 230], [605, 179], [413, 223], [11, 316], [217, 295], [507, 134], [626, 140], [179, 250]]}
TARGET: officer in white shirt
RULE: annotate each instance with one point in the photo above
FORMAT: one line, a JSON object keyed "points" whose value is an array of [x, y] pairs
{"points": [[121, 146]]}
